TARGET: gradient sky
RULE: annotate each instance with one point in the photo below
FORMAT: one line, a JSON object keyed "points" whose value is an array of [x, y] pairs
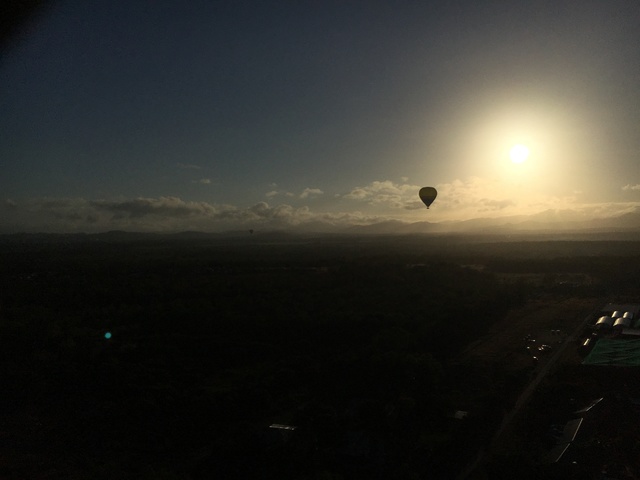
{"points": [[173, 115]]}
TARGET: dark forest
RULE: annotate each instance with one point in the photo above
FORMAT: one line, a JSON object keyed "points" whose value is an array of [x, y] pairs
{"points": [[349, 345]]}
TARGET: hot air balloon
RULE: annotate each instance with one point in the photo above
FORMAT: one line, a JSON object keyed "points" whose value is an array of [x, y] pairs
{"points": [[427, 195]]}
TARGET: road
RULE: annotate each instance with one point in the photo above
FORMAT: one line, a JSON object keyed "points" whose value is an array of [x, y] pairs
{"points": [[542, 371]]}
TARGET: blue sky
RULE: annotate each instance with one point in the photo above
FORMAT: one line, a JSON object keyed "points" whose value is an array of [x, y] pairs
{"points": [[219, 115]]}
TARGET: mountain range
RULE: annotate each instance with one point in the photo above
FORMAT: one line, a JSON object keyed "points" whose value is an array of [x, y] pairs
{"points": [[550, 221]]}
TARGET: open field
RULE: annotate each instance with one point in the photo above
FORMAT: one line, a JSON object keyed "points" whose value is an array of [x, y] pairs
{"points": [[545, 321]]}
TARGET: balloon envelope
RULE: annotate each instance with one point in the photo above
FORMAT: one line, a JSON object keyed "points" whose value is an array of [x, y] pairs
{"points": [[428, 195]]}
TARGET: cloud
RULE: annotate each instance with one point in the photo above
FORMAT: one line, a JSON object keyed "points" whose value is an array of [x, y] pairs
{"points": [[275, 193], [260, 208], [47, 214], [162, 214], [386, 194], [307, 192], [203, 181], [631, 187], [141, 207], [375, 202], [475, 197], [357, 194]]}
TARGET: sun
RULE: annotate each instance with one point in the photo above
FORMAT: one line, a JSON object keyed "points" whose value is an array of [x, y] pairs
{"points": [[519, 153]]}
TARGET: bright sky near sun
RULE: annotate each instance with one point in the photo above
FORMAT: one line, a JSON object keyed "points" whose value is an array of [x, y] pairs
{"points": [[211, 116]]}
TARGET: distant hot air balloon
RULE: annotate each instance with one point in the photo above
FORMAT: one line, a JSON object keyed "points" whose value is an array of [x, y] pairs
{"points": [[427, 195]]}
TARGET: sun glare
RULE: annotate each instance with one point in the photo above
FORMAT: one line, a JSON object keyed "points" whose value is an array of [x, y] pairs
{"points": [[519, 153]]}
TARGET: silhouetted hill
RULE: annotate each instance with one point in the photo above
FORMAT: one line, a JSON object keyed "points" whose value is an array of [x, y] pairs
{"points": [[544, 222], [547, 222]]}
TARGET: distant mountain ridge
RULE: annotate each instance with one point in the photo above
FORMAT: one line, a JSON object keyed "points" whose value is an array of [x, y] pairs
{"points": [[547, 222], [544, 222]]}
